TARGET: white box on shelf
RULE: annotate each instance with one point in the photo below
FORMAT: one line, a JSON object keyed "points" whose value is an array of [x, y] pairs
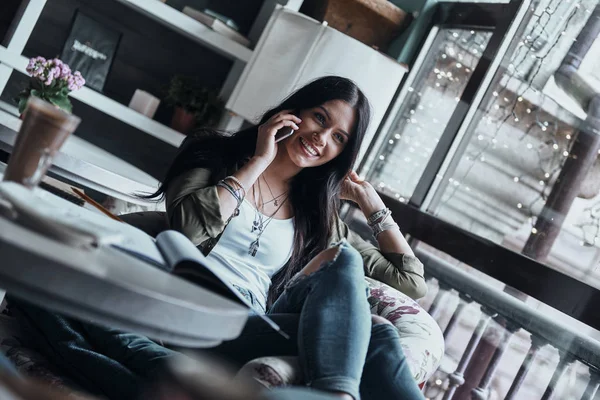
{"points": [[294, 50], [144, 103]]}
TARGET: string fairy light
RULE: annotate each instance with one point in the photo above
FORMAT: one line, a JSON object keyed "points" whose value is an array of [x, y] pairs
{"points": [[452, 62], [512, 103], [549, 162]]}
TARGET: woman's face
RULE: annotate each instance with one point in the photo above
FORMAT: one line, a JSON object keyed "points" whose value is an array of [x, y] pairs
{"points": [[323, 134]]}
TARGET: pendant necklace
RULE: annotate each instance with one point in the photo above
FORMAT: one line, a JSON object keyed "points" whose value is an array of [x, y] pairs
{"points": [[274, 199], [259, 223]]}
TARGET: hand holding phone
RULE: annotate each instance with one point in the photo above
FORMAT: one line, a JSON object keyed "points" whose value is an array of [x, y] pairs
{"points": [[283, 133], [274, 130]]}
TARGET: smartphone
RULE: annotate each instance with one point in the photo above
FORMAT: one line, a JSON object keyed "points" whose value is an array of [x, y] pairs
{"points": [[283, 133]]}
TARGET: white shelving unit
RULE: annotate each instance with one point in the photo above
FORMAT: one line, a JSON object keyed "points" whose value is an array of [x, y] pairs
{"points": [[104, 104], [11, 58], [28, 14]]}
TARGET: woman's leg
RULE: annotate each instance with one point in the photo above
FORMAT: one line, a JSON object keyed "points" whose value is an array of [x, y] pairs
{"points": [[386, 374], [335, 325], [260, 340], [61, 340]]}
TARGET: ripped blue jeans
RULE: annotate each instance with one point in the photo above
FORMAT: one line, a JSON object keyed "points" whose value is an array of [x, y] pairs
{"points": [[328, 318]]}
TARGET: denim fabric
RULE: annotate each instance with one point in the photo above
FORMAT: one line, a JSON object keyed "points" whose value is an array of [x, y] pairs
{"points": [[102, 361], [327, 316], [335, 322]]}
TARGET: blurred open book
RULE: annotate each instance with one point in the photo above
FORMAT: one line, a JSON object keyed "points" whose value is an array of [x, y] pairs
{"points": [[62, 221]]}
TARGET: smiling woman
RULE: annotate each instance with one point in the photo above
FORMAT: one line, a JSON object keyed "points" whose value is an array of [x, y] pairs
{"points": [[322, 134], [263, 209]]}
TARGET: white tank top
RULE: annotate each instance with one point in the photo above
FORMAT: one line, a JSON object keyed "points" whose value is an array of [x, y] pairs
{"points": [[232, 251]]}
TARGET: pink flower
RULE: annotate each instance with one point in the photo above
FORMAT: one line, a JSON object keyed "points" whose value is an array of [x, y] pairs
{"points": [[48, 71], [38, 72], [71, 84], [79, 81], [50, 78], [65, 71], [30, 65]]}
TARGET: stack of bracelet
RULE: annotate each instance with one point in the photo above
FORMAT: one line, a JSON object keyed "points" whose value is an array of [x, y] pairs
{"points": [[237, 190], [381, 221]]}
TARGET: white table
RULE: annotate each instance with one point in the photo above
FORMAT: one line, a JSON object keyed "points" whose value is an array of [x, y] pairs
{"points": [[108, 287], [89, 166]]}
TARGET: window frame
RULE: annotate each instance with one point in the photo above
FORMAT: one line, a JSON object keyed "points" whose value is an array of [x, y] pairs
{"points": [[554, 288]]}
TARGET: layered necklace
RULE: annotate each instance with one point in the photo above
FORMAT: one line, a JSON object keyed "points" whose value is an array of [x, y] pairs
{"points": [[261, 222]]}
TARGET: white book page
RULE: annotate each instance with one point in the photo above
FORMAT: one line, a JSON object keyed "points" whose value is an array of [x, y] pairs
{"points": [[71, 224], [176, 249]]}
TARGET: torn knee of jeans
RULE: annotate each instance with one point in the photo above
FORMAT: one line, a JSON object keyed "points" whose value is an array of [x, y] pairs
{"points": [[301, 275], [339, 246]]}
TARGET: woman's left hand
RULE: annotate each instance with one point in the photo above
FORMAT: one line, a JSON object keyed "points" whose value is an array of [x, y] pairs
{"points": [[355, 189], [362, 193]]}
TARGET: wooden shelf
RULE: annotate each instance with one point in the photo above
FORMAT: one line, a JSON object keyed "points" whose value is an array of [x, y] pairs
{"points": [[179, 22], [105, 104]]}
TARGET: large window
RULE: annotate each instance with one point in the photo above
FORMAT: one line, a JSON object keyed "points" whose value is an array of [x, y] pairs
{"points": [[426, 108], [518, 144], [489, 167], [508, 155]]}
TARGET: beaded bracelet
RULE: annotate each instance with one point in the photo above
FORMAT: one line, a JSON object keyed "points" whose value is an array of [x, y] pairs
{"points": [[379, 216], [238, 183], [384, 226], [235, 195]]}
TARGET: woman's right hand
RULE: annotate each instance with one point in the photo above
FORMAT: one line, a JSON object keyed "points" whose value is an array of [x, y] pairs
{"points": [[266, 148]]}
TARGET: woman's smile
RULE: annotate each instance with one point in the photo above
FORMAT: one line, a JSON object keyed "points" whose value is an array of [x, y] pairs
{"points": [[308, 148]]}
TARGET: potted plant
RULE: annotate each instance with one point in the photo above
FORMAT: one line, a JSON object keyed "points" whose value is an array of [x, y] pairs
{"points": [[194, 104], [52, 81]]}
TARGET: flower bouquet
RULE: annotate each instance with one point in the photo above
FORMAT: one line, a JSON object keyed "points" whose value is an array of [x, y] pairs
{"points": [[52, 81]]}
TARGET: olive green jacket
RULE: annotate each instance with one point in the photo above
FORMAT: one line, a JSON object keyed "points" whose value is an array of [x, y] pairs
{"points": [[193, 208]]}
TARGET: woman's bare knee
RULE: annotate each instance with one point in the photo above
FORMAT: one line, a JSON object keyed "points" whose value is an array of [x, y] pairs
{"points": [[317, 262], [376, 319]]}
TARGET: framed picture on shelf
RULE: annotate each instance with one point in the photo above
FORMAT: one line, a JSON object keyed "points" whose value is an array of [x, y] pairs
{"points": [[90, 48]]}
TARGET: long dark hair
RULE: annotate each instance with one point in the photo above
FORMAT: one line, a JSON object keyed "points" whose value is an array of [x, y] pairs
{"points": [[314, 192]]}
